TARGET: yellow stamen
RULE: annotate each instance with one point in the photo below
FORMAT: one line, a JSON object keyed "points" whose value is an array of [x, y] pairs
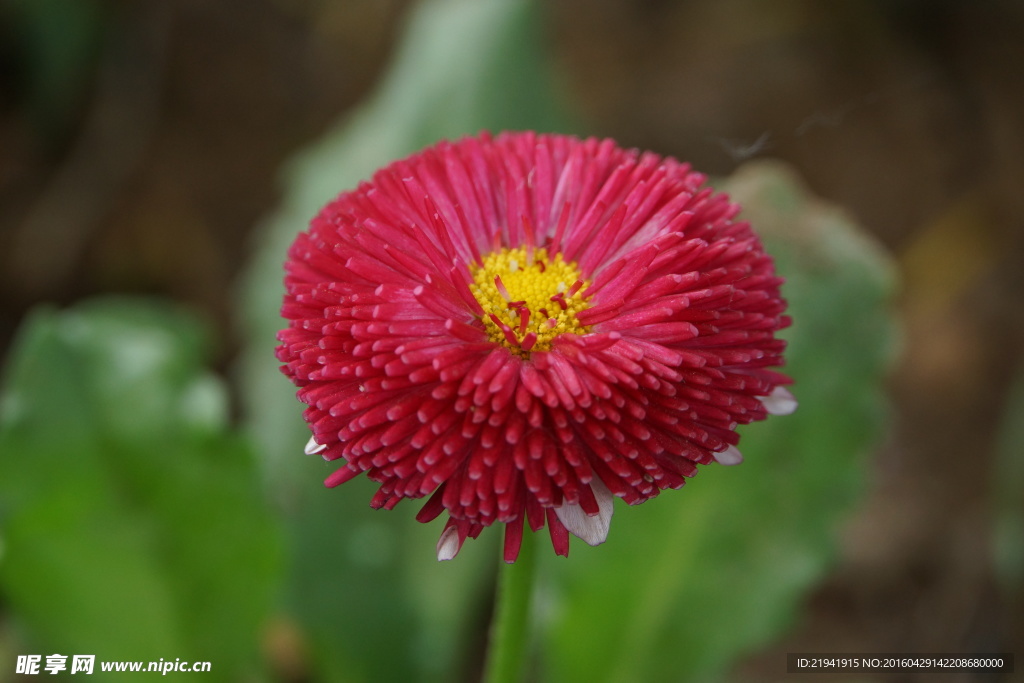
{"points": [[542, 303]]}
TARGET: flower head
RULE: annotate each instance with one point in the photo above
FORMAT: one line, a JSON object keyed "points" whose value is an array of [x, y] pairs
{"points": [[526, 326]]}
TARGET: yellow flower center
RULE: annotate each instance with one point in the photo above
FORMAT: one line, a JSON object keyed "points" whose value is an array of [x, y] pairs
{"points": [[528, 298]]}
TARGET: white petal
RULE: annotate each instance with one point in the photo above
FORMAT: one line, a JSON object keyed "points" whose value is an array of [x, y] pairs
{"points": [[592, 529], [448, 545], [312, 447], [779, 402], [730, 456]]}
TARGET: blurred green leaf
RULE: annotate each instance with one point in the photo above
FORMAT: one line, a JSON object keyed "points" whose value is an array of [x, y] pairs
{"points": [[365, 584], [133, 523], [1008, 484], [692, 580]]}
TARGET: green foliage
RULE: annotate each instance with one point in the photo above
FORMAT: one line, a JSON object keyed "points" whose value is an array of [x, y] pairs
{"points": [[1008, 485], [132, 519], [694, 579]]}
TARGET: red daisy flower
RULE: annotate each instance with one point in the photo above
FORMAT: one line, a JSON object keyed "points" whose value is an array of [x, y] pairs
{"points": [[527, 326]]}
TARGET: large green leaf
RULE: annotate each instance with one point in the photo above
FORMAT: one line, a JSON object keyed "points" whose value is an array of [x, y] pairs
{"points": [[696, 578], [133, 522], [365, 586]]}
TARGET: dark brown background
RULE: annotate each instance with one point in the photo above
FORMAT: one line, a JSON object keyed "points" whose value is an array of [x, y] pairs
{"points": [[162, 147]]}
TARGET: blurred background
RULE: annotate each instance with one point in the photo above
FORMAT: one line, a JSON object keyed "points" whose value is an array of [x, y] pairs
{"points": [[145, 148]]}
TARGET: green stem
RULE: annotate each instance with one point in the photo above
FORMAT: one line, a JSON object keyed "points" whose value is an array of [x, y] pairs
{"points": [[507, 655]]}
